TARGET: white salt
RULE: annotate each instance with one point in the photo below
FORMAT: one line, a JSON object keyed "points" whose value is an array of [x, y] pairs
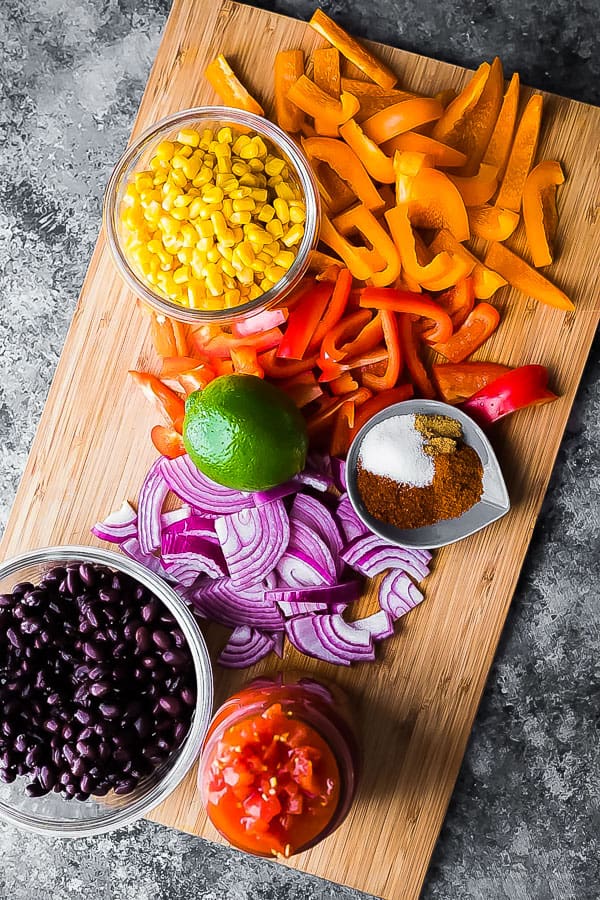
{"points": [[394, 449]]}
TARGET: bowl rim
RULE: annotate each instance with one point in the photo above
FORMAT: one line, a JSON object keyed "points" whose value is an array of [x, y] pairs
{"points": [[191, 746], [382, 529], [229, 115]]}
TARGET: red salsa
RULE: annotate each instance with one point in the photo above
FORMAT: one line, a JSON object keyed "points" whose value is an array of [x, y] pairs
{"points": [[277, 772]]}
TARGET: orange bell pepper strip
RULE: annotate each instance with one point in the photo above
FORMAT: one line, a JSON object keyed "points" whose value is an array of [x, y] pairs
{"points": [[331, 370], [352, 50], [173, 365], [446, 96], [343, 384], [359, 260], [491, 223], [485, 280], [336, 341], [393, 300], [303, 321], [224, 367], [459, 381], [373, 98], [524, 278], [336, 308], [442, 155], [539, 210], [521, 155], [336, 195], [196, 379], [502, 135], [289, 66], [277, 368], [303, 389], [468, 125], [346, 164], [476, 189], [167, 441], [361, 219], [378, 165], [328, 407], [479, 325], [305, 94], [226, 84], [444, 269], [377, 403], [458, 301], [401, 117], [435, 202], [221, 345], [165, 401], [389, 378], [326, 75], [340, 439], [410, 353], [245, 361], [169, 337], [320, 262]]}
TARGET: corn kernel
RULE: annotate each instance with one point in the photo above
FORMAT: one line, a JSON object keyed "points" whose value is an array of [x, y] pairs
{"points": [[213, 195], [210, 160], [181, 274], [188, 136], [256, 165], [224, 135], [259, 194], [275, 273], [285, 258], [203, 177], [293, 235], [254, 292], [214, 280], [179, 178], [275, 180], [266, 214], [227, 207], [204, 228], [189, 235], [179, 160], [282, 210], [160, 178], [275, 228], [165, 150], [181, 213], [228, 269], [185, 256], [238, 233], [297, 215], [284, 191], [241, 193], [249, 180], [245, 275], [182, 200], [232, 297], [191, 167], [143, 181], [206, 139], [246, 253], [274, 165], [229, 184], [240, 218], [266, 284], [245, 205], [213, 255], [242, 141]]}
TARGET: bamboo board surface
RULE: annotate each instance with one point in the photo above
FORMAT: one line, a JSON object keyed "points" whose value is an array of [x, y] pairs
{"points": [[417, 704]]}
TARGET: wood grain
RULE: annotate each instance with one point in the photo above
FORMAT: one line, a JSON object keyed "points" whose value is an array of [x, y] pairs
{"points": [[416, 705]]}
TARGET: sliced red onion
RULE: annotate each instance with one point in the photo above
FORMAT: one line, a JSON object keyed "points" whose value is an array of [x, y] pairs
{"points": [[380, 625], [209, 498], [174, 538], [172, 516], [298, 569], [245, 647], [349, 521], [344, 593], [262, 321], [315, 515], [278, 640], [330, 638], [118, 526], [370, 556], [220, 601], [300, 608], [314, 480], [338, 470], [153, 493], [278, 492], [303, 539], [131, 548], [253, 541], [195, 555], [398, 594]]}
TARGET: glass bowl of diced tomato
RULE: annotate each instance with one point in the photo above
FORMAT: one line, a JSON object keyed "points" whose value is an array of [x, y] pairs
{"points": [[211, 215]]}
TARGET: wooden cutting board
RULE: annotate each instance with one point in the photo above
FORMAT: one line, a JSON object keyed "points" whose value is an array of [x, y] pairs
{"points": [[416, 705]]}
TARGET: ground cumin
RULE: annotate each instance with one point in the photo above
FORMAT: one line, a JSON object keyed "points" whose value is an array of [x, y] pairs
{"points": [[456, 487]]}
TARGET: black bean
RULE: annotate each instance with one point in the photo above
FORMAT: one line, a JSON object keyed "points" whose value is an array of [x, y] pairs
{"points": [[188, 696], [6, 600], [143, 639], [161, 639], [180, 731], [52, 725], [15, 639], [8, 775], [87, 573], [85, 734], [47, 778], [99, 688], [78, 766], [94, 651], [22, 587], [150, 610], [178, 638], [35, 789], [86, 749], [110, 710], [101, 791], [109, 595], [126, 786]]}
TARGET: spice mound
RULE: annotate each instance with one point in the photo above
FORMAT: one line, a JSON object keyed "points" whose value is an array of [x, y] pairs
{"points": [[416, 470]]}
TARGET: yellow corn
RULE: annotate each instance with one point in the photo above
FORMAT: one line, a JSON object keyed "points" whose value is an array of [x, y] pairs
{"points": [[284, 258], [266, 284], [282, 210], [179, 178], [275, 228], [240, 218], [165, 150], [240, 168], [204, 228], [297, 214], [274, 165], [232, 297], [185, 256], [284, 191], [213, 195], [188, 136], [256, 165], [181, 274], [293, 235], [266, 214], [191, 167], [203, 177]]}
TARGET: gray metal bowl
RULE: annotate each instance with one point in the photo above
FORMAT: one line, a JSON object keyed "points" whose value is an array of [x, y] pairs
{"points": [[494, 501]]}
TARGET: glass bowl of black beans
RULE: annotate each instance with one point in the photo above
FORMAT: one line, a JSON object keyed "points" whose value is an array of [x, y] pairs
{"points": [[105, 691]]}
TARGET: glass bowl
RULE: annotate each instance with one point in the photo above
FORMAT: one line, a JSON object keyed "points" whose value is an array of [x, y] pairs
{"points": [[136, 158], [56, 816]]}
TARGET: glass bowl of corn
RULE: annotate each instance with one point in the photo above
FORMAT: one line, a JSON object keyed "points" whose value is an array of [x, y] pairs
{"points": [[211, 215]]}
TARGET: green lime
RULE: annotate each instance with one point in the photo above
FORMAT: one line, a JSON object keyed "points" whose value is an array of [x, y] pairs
{"points": [[244, 433]]}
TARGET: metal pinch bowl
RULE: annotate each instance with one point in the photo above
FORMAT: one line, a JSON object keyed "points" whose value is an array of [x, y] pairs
{"points": [[494, 502]]}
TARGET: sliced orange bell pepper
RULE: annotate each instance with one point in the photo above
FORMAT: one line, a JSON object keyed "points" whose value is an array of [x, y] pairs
{"points": [[412, 304], [196, 379], [479, 325], [340, 439], [491, 223], [169, 337], [446, 96], [377, 403], [226, 84], [524, 278], [331, 371], [410, 353], [476, 189], [539, 210], [289, 66], [305, 94], [165, 401], [463, 103], [378, 165], [373, 98], [365, 342], [442, 155], [303, 322], [277, 368], [435, 202], [458, 301], [359, 260], [336, 308], [220, 346], [336, 195], [336, 341], [224, 367], [303, 389], [343, 384], [326, 75], [521, 155], [394, 363], [167, 441], [401, 117], [444, 269], [352, 50], [379, 265], [173, 365], [502, 135], [328, 407], [459, 381], [319, 261], [245, 361], [485, 280], [346, 164]]}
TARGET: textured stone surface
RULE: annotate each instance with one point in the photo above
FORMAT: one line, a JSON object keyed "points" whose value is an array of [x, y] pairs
{"points": [[524, 820]]}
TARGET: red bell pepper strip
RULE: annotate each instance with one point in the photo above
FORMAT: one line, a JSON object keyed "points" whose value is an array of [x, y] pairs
{"points": [[410, 353], [477, 328], [340, 439], [284, 368], [337, 306], [332, 347], [245, 361], [303, 321], [379, 402], [459, 381], [330, 405], [519, 388], [406, 302], [330, 369], [221, 345], [458, 301], [166, 402], [343, 384], [167, 441], [303, 389], [394, 363]]}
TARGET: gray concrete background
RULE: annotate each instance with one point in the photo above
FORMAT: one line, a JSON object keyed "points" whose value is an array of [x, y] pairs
{"points": [[524, 820]]}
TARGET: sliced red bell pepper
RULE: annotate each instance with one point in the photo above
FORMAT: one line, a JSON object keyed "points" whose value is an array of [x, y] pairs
{"points": [[458, 301], [221, 345], [196, 379], [303, 321], [333, 347], [398, 301], [519, 388], [166, 402], [410, 353], [377, 403], [343, 384], [336, 308], [394, 363], [167, 441], [303, 389], [481, 322], [344, 421], [459, 381], [328, 407], [224, 367], [330, 369], [284, 368], [245, 361]]}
